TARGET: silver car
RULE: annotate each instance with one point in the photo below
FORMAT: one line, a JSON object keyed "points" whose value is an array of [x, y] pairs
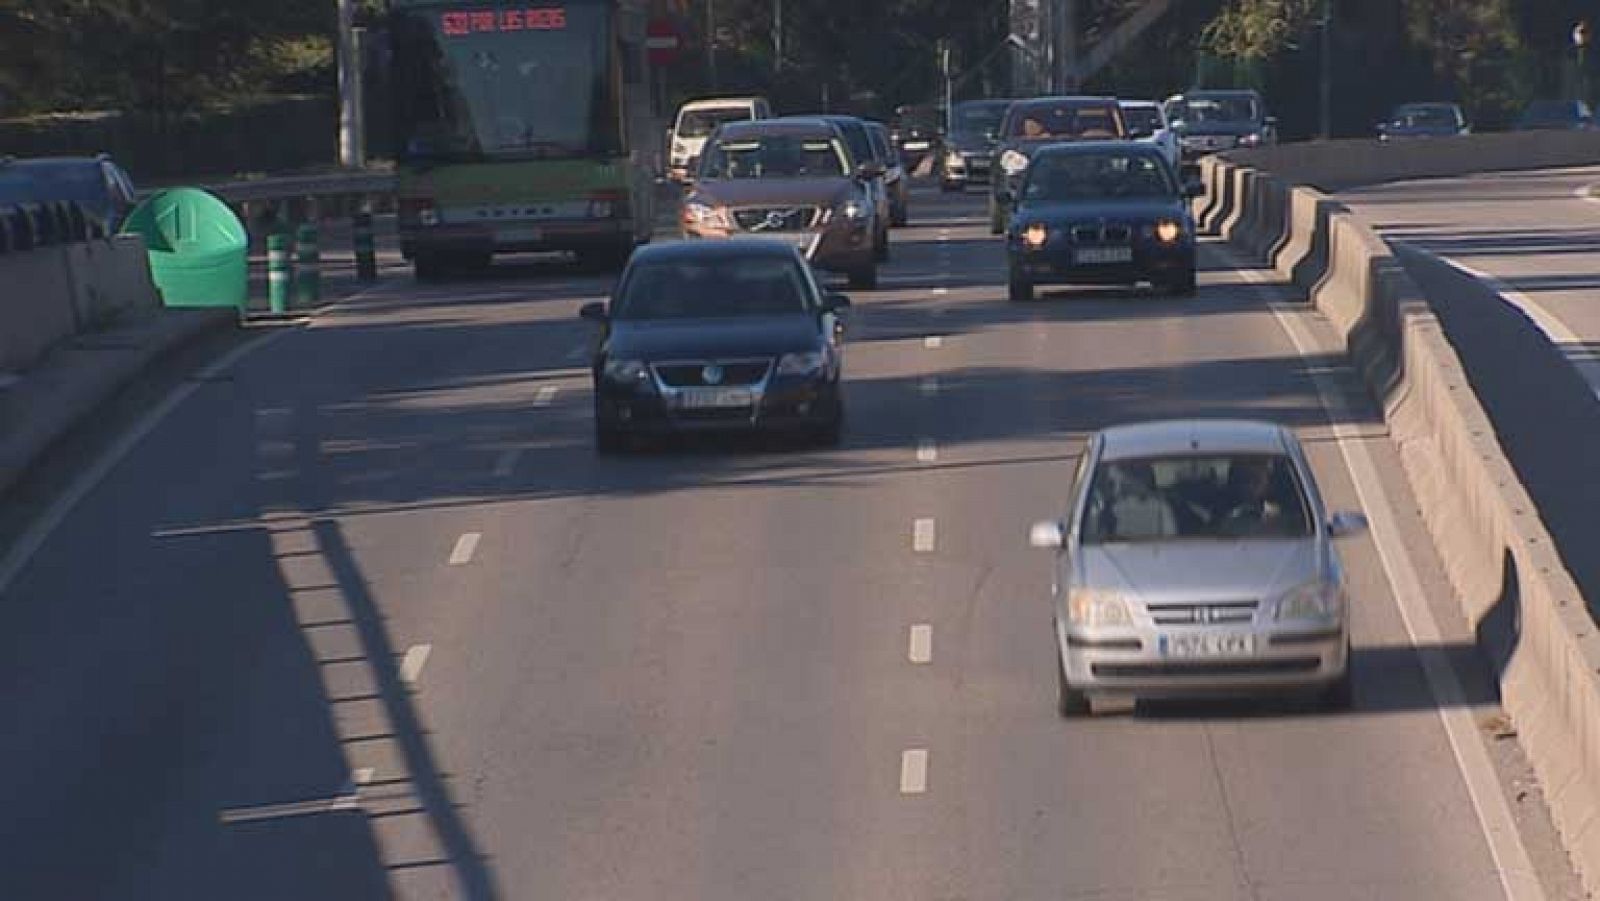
{"points": [[1196, 559]]}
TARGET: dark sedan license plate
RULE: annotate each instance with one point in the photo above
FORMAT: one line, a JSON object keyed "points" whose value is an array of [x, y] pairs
{"points": [[1207, 645], [716, 399], [1100, 256]]}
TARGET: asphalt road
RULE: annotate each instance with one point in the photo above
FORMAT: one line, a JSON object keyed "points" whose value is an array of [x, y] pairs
{"points": [[363, 616]]}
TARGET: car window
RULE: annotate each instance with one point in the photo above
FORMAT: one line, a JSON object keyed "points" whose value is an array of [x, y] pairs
{"points": [[978, 118], [698, 123], [880, 143], [714, 289], [774, 156], [1094, 176], [1220, 109], [1068, 120], [855, 138], [1427, 116], [1223, 497], [77, 183], [1142, 120]]}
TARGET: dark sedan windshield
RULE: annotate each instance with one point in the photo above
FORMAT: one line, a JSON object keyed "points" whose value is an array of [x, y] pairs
{"points": [[1426, 117], [774, 156], [1200, 497], [1142, 120], [1211, 110], [978, 117], [1068, 120], [1062, 177], [727, 288]]}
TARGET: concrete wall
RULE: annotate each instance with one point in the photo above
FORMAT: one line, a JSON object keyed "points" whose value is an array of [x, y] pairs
{"points": [[1336, 165], [53, 293], [1526, 610]]}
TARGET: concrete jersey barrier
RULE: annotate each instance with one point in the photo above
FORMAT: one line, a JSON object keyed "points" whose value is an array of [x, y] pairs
{"points": [[1337, 165], [1527, 612], [53, 293]]}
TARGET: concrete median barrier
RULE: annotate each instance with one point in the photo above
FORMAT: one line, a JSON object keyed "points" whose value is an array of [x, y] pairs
{"points": [[1530, 619], [1337, 165]]}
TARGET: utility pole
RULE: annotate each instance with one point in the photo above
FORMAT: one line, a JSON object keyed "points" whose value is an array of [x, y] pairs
{"points": [[949, 84], [1325, 128], [352, 118], [1064, 47], [711, 42], [777, 35]]}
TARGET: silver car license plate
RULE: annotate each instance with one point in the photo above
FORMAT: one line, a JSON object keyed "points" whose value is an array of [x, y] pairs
{"points": [[715, 399], [1201, 645], [1098, 256]]}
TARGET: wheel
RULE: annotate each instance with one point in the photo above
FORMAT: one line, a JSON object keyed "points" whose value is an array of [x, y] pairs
{"points": [[476, 261], [865, 278], [1182, 286], [902, 218], [609, 440], [997, 219], [1019, 290], [1341, 694], [1070, 703], [429, 267], [831, 433], [883, 246]]}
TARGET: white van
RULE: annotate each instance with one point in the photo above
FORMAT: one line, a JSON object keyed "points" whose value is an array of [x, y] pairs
{"points": [[697, 119]]}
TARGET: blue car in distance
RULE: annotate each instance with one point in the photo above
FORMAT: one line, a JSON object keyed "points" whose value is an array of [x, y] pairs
{"points": [[95, 183], [1424, 120], [1101, 213]]}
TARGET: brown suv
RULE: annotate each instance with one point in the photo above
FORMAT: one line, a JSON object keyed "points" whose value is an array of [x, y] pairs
{"points": [[791, 180]]}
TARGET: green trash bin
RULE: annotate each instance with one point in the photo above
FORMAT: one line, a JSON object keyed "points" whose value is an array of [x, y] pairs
{"points": [[199, 250]]}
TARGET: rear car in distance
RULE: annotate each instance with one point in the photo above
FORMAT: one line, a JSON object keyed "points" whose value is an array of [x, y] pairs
{"points": [[794, 180], [1213, 121], [917, 135], [895, 179], [730, 335], [863, 152], [1556, 115], [96, 184], [697, 119], [1195, 559], [1147, 122], [1106, 212], [1040, 122], [1424, 120], [969, 144]]}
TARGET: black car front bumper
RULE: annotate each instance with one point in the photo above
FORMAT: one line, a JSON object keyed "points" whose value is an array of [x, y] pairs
{"points": [[1062, 262], [783, 403]]}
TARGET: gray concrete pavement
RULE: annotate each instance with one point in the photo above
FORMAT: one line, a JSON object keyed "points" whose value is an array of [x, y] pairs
{"points": [[366, 617]]}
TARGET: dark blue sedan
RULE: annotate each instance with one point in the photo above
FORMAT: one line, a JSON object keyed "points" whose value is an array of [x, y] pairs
{"points": [[1101, 213]]}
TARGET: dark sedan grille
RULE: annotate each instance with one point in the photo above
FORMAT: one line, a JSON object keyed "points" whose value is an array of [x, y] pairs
{"points": [[777, 219], [1101, 234], [693, 375], [1215, 612]]}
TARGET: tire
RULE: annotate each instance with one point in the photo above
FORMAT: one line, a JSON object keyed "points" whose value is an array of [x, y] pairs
{"points": [[429, 267], [882, 252], [1182, 286], [476, 262], [865, 278], [1070, 703], [1018, 290], [1340, 695], [902, 218], [997, 219], [609, 442], [831, 433]]}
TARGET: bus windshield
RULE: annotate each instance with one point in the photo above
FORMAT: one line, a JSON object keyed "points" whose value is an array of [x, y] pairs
{"points": [[481, 82]]}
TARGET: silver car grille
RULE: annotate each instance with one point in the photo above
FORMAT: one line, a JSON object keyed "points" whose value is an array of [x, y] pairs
{"points": [[1100, 234], [778, 219], [1203, 614]]}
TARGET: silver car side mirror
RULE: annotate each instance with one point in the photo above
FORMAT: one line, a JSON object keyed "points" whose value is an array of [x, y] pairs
{"points": [[1047, 536], [1345, 524]]}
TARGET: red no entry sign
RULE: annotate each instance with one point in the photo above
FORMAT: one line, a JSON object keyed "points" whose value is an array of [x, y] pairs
{"points": [[663, 41]]}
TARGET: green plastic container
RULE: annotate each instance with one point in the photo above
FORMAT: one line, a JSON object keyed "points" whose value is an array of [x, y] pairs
{"points": [[199, 250]]}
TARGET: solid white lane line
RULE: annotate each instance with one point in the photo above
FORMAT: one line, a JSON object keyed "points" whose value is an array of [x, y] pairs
{"points": [[940, 292], [546, 396], [927, 451], [238, 815], [30, 541], [506, 463], [412, 663], [466, 546], [921, 644], [363, 776], [914, 771], [1517, 875], [929, 385], [933, 342], [923, 536]]}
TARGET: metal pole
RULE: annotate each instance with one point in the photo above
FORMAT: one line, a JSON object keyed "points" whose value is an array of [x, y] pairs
{"points": [[777, 35], [1067, 49], [949, 86], [1325, 128], [349, 73], [711, 42]]}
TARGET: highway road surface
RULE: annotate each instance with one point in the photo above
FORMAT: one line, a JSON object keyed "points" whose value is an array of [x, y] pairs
{"points": [[356, 612]]}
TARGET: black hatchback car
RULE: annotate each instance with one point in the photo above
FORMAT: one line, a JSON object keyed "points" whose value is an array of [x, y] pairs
{"points": [[724, 335], [1101, 213]]}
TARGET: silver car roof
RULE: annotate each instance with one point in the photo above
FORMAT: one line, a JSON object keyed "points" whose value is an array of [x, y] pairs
{"points": [[1184, 437]]}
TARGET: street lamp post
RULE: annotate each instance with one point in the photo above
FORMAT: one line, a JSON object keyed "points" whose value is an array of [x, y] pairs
{"points": [[352, 149], [1325, 127]]}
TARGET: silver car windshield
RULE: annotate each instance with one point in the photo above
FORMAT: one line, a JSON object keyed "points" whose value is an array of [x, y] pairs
{"points": [[775, 156], [1232, 497]]}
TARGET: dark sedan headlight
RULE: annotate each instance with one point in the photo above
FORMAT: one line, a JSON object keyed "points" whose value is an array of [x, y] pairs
{"points": [[1034, 235], [1165, 231], [809, 363], [626, 372], [1250, 140]]}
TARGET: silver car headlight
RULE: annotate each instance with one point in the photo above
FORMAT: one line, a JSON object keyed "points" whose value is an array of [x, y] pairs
{"points": [[1013, 162], [1095, 607], [852, 210], [1250, 140], [1318, 601], [809, 363], [706, 215], [626, 372]]}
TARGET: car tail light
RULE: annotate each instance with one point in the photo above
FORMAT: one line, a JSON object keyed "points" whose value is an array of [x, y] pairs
{"points": [[419, 210], [607, 204]]}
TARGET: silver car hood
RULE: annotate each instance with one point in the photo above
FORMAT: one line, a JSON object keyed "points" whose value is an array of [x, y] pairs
{"points": [[1195, 571]]}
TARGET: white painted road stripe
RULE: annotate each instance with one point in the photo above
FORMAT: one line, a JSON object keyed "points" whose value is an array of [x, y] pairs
{"points": [[412, 663], [921, 644], [507, 463], [933, 342], [466, 546], [927, 451], [1515, 868], [922, 536], [940, 292], [294, 809], [546, 396], [364, 775], [930, 385], [914, 771]]}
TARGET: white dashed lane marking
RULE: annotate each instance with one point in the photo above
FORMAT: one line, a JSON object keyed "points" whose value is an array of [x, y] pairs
{"points": [[466, 546], [933, 342], [546, 396], [412, 663], [923, 536], [914, 771], [927, 451], [920, 647]]}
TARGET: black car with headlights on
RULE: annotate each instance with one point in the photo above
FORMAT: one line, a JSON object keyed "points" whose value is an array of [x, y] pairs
{"points": [[726, 335], [1101, 213]]}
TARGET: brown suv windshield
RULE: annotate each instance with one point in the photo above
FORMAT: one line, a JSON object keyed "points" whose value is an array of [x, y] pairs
{"points": [[1068, 120], [774, 156]]}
